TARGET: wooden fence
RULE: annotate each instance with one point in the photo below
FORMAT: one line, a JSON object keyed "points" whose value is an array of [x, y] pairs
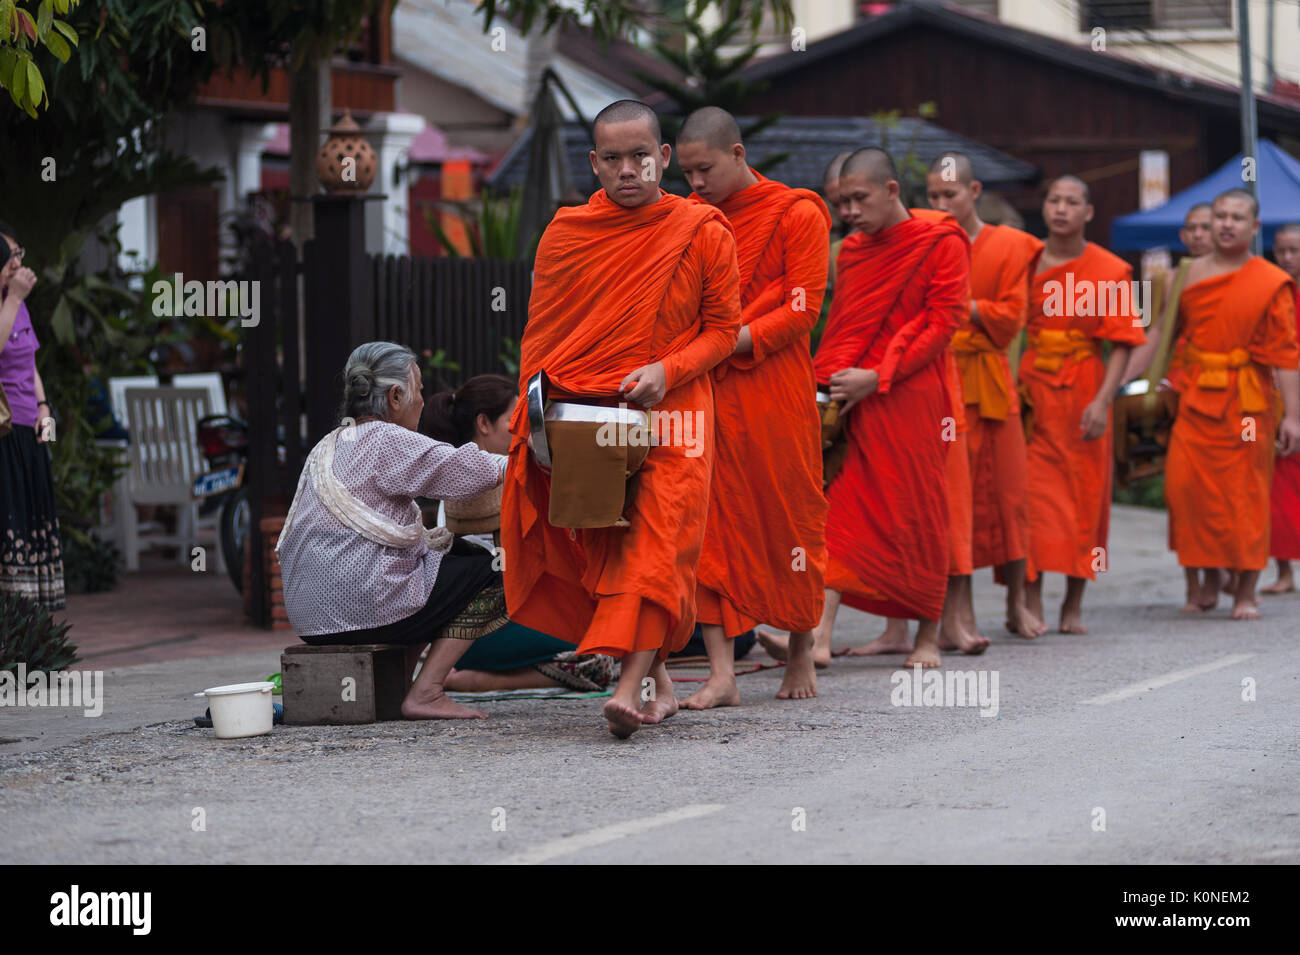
{"points": [[466, 307]]}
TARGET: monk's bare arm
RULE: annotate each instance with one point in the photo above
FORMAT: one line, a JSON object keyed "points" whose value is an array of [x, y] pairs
{"points": [[1275, 344], [719, 306], [1288, 439], [804, 236], [947, 300], [1096, 413]]}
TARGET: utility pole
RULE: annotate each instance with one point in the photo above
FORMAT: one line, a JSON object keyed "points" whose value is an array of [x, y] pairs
{"points": [[1249, 125]]}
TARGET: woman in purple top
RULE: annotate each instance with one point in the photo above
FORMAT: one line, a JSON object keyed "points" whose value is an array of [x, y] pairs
{"points": [[31, 560]]}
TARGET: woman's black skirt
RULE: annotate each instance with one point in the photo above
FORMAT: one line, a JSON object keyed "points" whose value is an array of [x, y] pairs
{"points": [[467, 601], [31, 558]]}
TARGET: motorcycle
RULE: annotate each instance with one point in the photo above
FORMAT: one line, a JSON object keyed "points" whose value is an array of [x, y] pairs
{"points": [[224, 442]]}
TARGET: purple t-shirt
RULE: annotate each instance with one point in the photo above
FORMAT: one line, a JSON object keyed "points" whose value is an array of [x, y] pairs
{"points": [[18, 369]]}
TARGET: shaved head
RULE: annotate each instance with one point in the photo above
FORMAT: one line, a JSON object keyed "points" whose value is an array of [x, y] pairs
{"points": [[872, 162], [627, 111], [1239, 194], [628, 158], [1074, 180], [712, 126], [835, 166], [1286, 248], [953, 167], [1197, 231]]}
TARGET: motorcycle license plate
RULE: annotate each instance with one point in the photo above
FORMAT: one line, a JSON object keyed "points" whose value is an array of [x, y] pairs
{"points": [[217, 482]]}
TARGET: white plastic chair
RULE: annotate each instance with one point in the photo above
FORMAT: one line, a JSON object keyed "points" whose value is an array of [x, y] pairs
{"points": [[210, 380], [117, 394], [165, 459]]}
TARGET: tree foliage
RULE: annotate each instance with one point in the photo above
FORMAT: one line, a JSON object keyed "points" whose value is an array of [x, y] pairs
{"points": [[20, 34], [619, 19], [713, 76]]}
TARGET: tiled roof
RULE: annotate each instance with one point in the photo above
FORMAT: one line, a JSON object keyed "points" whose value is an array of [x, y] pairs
{"points": [[811, 141]]}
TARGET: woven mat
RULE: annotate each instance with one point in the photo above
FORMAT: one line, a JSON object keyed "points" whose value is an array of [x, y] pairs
{"points": [[558, 693]]}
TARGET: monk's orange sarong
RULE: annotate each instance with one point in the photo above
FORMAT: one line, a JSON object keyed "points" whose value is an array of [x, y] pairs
{"points": [[615, 289], [1069, 479], [764, 553], [1220, 466], [1003, 260], [900, 295]]}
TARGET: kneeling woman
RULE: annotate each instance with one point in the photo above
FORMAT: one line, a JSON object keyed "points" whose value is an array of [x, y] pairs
{"points": [[358, 564]]}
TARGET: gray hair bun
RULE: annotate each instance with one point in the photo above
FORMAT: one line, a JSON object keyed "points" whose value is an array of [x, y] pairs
{"points": [[372, 371]]}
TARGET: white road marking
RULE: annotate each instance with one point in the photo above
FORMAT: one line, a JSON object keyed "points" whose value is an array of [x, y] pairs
{"points": [[1155, 682], [596, 837]]}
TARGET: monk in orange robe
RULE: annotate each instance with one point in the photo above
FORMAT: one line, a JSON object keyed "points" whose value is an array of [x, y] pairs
{"points": [[764, 553], [831, 192], [1196, 236], [1002, 261], [1237, 318], [1285, 505], [902, 290], [1081, 296], [635, 297], [957, 631]]}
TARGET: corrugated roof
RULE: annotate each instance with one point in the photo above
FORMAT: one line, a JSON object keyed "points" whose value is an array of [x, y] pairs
{"points": [[811, 141]]}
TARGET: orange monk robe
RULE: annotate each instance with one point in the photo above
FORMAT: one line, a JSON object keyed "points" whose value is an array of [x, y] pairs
{"points": [[764, 553], [615, 289], [1220, 465], [960, 518], [1069, 479], [1003, 261], [899, 297], [1285, 509]]}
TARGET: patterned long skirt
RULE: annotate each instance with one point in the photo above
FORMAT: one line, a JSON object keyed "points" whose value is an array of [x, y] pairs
{"points": [[31, 558]]}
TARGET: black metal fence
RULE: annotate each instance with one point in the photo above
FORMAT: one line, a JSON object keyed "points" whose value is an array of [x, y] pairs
{"points": [[468, 308]]}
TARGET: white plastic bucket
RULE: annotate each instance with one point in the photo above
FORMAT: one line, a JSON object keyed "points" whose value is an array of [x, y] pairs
{"points": [[241, 709]]}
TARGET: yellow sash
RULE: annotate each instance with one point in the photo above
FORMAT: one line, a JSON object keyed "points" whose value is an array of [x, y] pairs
{"points": [[1215, 366], [983, 379], [1054, 345]]}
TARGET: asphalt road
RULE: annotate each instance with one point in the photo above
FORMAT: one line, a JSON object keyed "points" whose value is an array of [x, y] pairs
{"points": [[1132, 744]]}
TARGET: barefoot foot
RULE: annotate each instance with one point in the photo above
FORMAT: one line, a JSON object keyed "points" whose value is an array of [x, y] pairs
{"points": [[623, 720], [438, 707], [656, 711], [1245, 610], [800, 680], [777, 645], [893, 640], [925, 657], [960, 638], [1283, 585], [719, 691], [1072, 620]]}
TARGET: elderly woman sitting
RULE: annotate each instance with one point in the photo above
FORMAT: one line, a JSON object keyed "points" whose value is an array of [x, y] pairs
{"points": [[358, 564]]}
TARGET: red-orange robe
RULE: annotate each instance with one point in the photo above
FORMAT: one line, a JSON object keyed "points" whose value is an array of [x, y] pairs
{"points": [[764, 555], [615, 289], [1003, 261], [1219, 470], [1285, 509], [1069, 479], [899, 297], [960, 517]]}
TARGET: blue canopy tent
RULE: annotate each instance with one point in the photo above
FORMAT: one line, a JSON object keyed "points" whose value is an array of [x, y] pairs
{"points": [[1277, 183]]}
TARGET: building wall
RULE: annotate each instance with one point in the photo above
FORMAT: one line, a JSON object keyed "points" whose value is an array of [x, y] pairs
{"points": [[1099, 137], [1208, 53]]}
